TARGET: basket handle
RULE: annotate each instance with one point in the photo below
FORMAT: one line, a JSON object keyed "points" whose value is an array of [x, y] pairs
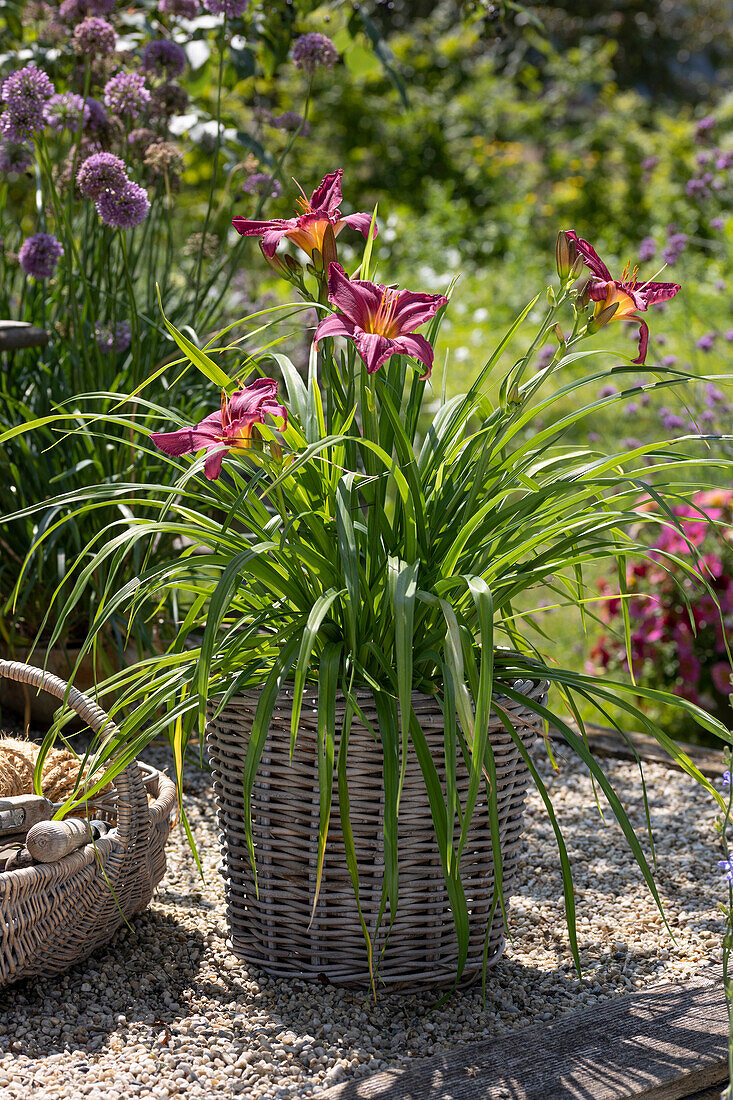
{"points": [[132, 801]]}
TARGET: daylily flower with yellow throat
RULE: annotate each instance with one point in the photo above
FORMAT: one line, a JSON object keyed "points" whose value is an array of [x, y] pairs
{"points": [[629, 296], [307, 229], [230, 429], [379, 319]]}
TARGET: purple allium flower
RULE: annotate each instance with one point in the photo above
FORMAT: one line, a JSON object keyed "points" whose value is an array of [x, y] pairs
{"points": [[728, 335], [630, 443], [163, 158], [126, 94], [66, 111], [231, 8], [673, 422], [608, 390], [111, 338], [39, 255], [186, 9], [593, 437], [94, 38], [168, 99], [164, 57], [676, 245], [15, 157], [707, 417], [25, 94], [632, 408], [717, 223], [649, 164], [125, 208], [669, 360], [727, 866], [291, 121], [647, 250], [101, 172], [313, 51], [259, 182], [706, 342]]}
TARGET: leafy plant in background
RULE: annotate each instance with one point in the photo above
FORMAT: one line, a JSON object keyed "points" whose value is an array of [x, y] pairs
{"points": [[677, 601], [337, 535]]}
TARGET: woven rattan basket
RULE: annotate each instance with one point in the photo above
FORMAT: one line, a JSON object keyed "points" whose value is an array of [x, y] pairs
{"points": [[274, 930], [53, 915]]}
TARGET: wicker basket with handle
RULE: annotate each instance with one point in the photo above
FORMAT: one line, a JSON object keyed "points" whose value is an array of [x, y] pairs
{"points": [[273, 928], [53, 915]]}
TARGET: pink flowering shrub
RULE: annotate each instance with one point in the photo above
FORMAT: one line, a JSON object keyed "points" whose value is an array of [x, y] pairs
{"points": [[680, 607]]}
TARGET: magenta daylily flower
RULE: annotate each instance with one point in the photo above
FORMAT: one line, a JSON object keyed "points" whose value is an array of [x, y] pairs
{"points": [[379, 319], [307, 229], [626, 293], [229, 429]]}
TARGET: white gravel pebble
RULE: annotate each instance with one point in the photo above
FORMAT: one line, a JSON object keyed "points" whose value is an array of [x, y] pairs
{"points": [[167, 1011]]}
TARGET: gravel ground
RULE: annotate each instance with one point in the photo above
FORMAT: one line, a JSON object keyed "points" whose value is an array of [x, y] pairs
{"points": [[168, 1011]]}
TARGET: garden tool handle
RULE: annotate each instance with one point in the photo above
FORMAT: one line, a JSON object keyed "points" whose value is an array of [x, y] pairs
{"points": [[20, 812], [50, 841]]}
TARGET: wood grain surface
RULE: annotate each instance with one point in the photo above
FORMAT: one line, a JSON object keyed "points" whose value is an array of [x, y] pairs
{"points": [[666, 1043]]}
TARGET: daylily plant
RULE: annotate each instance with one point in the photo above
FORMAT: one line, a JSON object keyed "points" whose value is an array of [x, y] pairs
{"points": [[380, 320], [307, 229], [229, 429], [628, 295]]}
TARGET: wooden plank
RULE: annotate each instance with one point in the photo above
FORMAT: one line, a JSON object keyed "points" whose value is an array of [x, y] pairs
{"points": [[665, 1043], [605, 741], [20, 334]]}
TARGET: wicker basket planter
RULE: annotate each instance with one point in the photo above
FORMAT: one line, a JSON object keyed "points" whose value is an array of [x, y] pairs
{"points": [[275, 930], [53, 915]]}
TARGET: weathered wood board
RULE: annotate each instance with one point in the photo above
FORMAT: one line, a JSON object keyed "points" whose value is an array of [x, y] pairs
{"points": [[666, 1043], [20, 334]]}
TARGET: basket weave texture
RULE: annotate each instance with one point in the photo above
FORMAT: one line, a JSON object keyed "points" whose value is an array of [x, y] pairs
{"points": [[53, 915], [274, 930]]}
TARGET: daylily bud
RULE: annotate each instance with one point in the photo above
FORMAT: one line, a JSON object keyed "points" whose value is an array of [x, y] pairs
{"points": [[601, 318], [566, 252], [514, 397], [583, 299], [577, 268], [277, 263], [316, 261], [328, 249], [559, 334], [551, 299], [294, 268]]}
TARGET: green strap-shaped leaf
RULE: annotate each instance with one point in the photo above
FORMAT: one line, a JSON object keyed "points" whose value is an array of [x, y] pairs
{"points": [[327, 686], [310, 632], [206, 365], [403, 588]]}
